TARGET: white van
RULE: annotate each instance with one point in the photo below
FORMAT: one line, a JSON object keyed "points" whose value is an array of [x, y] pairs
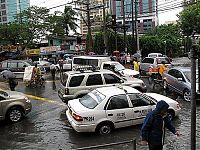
{"points": [[155, 55], [89, 60]]}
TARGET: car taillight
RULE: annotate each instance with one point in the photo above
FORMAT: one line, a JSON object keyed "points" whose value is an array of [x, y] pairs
{"points": [[66, 91], [77, 117]]}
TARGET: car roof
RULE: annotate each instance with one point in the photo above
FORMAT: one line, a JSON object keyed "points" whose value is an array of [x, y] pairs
{"points": [[182, 68], [116, 90], [88, 72]]}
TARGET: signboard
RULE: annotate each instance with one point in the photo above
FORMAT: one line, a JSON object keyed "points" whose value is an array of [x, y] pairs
{"points": [[33, 52], [8, 48], [50, 49]]}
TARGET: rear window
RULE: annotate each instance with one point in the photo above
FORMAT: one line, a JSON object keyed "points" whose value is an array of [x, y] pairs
{"points": [[76, 81], [148, 60], [64, 78], [92, 99], [166, 60], [85, 61]]}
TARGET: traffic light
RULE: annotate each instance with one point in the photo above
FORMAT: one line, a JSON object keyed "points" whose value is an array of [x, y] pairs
{"points": [[113, 20]]}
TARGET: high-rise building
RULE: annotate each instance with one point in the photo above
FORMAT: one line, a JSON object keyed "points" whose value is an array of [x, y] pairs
{"points": [[10, 8], [96, 16], [147, 17]]}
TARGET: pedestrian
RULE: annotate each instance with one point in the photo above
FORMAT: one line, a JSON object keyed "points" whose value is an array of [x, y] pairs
{"points": [[153, 128], [162, 68], [61, 64], [10, 76], [136, 64], [53, 70]]}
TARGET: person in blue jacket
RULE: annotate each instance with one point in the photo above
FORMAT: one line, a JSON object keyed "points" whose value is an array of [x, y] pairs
{"points": [[153, 128]]}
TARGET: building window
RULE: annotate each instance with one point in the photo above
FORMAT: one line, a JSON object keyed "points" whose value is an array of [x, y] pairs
{"points": [[4, 19], [3, 1], [4, 12], [3, 6]]}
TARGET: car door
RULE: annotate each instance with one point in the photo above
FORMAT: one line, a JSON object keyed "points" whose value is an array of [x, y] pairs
{"points": [[141, 107], [173, 79], [118, 110], [179, 81], [21, 67], [111, 79], [94, 81], [1, 108], [170, 78]]}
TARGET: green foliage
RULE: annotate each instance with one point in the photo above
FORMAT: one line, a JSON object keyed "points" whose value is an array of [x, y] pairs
{"points": [[165, 39], [189, 19]]}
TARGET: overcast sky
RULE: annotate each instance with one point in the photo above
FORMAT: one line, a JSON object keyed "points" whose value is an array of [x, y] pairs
{"points": [[163, 16]]}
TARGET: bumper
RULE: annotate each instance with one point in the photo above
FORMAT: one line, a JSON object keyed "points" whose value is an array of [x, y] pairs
{"points": [[63, 97], [28, 109], [177, 112], [80, 128]]}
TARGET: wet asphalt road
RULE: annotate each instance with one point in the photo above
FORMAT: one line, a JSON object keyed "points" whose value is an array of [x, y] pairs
{"points": [[46, 127]]}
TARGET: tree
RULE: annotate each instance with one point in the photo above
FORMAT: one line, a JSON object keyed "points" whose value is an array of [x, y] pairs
{"points": [[34, 24], [69, 20], [165, 39], [189, 19]]}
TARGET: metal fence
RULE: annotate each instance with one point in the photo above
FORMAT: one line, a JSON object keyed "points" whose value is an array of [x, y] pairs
{"points": [[110, 144]]}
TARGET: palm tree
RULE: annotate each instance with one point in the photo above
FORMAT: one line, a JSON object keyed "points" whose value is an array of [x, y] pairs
{"points": [[69, 20]]}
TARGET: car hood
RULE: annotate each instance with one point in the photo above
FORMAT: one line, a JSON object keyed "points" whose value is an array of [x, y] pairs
{"points": [[130, 80], [15, 95], [76, 106], [129, 72], [159, 97]]}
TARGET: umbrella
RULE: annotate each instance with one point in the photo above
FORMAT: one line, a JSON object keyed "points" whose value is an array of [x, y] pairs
{"points": [[7, 74]]}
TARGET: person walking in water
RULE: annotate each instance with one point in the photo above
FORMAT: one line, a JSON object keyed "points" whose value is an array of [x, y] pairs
{"points": [[153, 128]]}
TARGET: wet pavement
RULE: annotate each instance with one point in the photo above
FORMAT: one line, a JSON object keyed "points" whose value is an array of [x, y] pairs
{"points": [[46, 127]]}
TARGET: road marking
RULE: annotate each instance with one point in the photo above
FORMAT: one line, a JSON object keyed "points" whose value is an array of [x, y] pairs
{"points": [[42, 99]]}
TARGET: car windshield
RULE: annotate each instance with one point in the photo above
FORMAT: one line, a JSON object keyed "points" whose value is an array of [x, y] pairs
{"points": [[188, 75], [160, 60], [92, 99], [119, 67]]}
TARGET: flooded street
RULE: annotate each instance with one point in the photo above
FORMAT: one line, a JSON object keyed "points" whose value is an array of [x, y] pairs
{"points": [[46, 127]]}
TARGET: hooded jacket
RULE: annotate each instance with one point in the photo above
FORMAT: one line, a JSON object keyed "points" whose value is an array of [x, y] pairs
{"points": [[154, 124]]}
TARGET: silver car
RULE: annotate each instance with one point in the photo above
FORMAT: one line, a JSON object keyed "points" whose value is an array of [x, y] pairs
{"points": [[13, 106], [178, 79]]}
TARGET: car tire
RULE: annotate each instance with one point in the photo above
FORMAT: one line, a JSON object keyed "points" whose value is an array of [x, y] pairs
{"points": [[186, 95], [14, 114], [171, 114], [165, 86], [104, 128]]}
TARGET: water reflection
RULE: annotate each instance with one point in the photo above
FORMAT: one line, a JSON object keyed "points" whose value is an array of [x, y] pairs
{"points": [[54, 85]]}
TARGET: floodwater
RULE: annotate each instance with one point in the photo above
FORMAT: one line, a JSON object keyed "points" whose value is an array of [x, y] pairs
{"points": [[46, 127]]}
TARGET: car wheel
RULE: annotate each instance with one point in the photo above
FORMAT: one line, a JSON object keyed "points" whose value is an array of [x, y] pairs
{"points": [[15, 114], [165, 86], [186, 95], [171, 114], [104, 128]]}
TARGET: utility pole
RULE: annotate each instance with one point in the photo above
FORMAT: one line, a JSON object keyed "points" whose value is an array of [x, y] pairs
{"points": [[89, 26], [136, 28], [104, 29], [124, 26], [133, 36]]}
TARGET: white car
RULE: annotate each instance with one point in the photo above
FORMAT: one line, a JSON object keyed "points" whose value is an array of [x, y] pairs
{"points": [[112, 107], [120, 69]]}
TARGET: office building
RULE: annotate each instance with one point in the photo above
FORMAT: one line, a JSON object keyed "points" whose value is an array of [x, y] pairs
{"points": [[10, 8], [147, 17]]}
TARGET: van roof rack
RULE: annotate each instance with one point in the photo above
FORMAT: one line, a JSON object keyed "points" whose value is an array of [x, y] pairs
{"points": [[86, 67]]}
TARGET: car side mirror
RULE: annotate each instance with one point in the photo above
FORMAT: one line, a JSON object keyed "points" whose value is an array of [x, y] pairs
{"points": [[180, 79], [121, 81]]}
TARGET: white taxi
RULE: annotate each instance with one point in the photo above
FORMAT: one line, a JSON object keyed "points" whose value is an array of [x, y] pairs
{"points": [[108, 108]]}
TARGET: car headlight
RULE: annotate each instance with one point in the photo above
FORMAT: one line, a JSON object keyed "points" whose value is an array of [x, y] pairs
{"points": [[27, 100]]}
